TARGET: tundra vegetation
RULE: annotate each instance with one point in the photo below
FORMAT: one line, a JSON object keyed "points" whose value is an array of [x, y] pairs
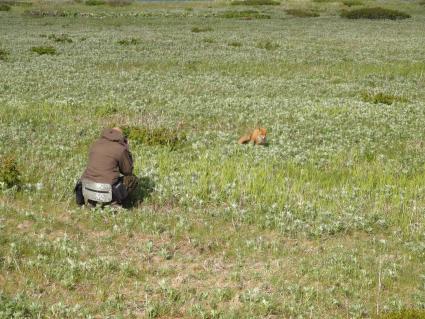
{"points": [[325, 222]]}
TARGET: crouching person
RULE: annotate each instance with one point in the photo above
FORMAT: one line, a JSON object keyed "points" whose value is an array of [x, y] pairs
{"points": [[108, 178]]}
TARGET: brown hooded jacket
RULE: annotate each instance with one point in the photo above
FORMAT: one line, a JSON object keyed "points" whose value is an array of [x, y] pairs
{"points": [[108, 157]]}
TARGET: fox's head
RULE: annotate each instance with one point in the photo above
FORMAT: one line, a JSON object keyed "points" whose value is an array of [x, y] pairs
{"points": [[260, 135]]}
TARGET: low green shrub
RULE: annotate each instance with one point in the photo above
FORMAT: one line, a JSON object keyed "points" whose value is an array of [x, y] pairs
{"points": [[376, 13], [4, 7], [131, 41], [95, 2], [44, 50], [351, 3], [9, 172], [156, 136], [404, 314], [245, 14], [60, 38], [382, 98], [301, 13], [201, 29], [3, 55], [267, 45], [255, 3]]}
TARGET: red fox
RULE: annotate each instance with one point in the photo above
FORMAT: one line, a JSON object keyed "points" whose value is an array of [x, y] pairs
{"points": [[258, 137]]}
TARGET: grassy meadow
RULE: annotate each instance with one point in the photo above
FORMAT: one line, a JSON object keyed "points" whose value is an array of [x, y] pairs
{"points": [[327, 221]]}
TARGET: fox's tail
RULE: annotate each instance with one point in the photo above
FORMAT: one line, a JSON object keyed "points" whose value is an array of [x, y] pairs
{"points": [[244, 139]]}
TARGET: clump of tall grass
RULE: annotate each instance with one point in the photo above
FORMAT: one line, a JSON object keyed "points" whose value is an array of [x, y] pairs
{"points": [[10, 175], [301, 13], [41, 50], [105, 110], [49, 13], [4, 7], [95, 2], [208, 40], [201, 29], [60, 38], [4, 54], [351, 3], [376, 13], [119, 3], [244, 14], [235, 44], [404, 314], [160, 136], [267, 45], [16, 3], [382, 98], [131, 41], [255, 3]]}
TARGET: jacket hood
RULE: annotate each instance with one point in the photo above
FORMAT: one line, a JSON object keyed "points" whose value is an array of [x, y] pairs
{"points": [[113, 135]]}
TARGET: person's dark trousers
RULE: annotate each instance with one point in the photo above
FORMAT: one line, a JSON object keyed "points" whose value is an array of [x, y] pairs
{"points": [[78, 190], [124, 188]]}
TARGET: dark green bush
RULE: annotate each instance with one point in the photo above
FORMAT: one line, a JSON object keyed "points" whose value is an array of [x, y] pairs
{"points": [[351, 3], [60, 38], [4, 7], [301, 13], [201, 29], [377, 13], [382, 98], [155, 136], [95, 2], [131, 41], [245, 14], [44, 50], [255, 3], [3, 55], [9, 172], [404, 314]]}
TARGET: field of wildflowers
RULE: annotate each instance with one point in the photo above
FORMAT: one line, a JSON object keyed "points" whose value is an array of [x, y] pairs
{"points": [[327, 221]]}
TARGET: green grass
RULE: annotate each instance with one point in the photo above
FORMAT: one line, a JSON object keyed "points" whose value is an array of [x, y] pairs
{"points": [[325, 222]]}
